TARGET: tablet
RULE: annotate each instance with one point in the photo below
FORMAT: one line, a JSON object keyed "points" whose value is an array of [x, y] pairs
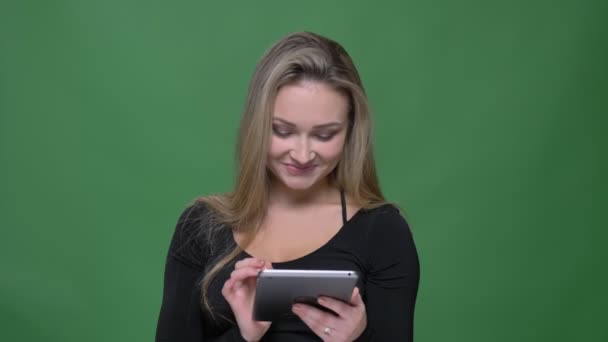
{"points": [[277, 290]]}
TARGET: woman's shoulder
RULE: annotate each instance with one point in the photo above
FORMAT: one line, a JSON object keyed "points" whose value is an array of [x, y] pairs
{"points": [[196, 210], [386, 219], [188, 242], [190, 219], [393, 257], [383, 212]]}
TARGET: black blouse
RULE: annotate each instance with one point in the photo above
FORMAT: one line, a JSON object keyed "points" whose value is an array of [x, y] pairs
{"points": [[377, 243]]}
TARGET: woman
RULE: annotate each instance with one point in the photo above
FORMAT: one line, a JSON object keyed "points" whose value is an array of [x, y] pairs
{"points": [[306, 197]]}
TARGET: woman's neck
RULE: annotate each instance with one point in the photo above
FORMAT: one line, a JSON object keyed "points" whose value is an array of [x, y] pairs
{"points": [[321, 193]]}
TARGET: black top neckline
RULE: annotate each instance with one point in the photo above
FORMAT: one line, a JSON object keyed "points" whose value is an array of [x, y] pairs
{"points": [[345, 222]]}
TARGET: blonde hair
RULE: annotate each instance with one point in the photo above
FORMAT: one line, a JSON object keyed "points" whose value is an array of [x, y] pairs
{"points": [[298, 56]]}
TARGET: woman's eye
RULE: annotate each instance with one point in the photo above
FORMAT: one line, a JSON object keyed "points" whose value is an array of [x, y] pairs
{"points": [[325, 136], [280, 132]]}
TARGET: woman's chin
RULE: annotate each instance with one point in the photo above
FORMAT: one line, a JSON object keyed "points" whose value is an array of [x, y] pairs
{"points": [[298, 185]]}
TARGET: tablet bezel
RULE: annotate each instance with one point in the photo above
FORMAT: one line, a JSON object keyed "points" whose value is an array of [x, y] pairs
{"points": [[278, 289]]}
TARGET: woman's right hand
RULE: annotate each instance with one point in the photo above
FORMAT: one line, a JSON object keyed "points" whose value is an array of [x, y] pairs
{"points": [[239, 292]]}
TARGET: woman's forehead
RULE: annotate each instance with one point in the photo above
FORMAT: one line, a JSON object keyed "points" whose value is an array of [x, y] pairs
{"points": [[310, 104]]}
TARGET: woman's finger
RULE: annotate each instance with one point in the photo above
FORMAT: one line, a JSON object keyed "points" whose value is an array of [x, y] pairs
{"points": [[355, 299], [337, 306], [244, 273], [249, 262], [227, 288], [238, 279], [316, 319], [340, 307], [244, 270]]}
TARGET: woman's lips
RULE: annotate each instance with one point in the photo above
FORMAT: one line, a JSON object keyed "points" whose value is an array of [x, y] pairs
{"points": [[298, 171]]}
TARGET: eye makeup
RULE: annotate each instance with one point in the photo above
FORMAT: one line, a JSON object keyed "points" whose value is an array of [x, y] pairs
{"points": [[284, 132]]}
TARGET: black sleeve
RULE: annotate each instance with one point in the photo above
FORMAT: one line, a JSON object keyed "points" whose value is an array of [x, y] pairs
{"points": [[180, 314], [394, 274]]}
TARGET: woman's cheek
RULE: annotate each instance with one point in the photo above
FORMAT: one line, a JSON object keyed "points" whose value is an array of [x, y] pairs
{"points": [[278, 147]]}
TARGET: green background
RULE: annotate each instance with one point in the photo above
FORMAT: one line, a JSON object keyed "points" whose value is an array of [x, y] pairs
{"points": [[490, 133]]}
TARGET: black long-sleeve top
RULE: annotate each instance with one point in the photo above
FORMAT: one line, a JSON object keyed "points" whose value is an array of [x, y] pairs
{"points": [[377, 243]]}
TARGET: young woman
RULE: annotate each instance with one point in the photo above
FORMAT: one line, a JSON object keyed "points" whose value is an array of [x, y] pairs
{"points": [[306, 197]]}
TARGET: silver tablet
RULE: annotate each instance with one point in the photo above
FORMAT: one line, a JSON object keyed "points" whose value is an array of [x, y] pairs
{"points": [[278, 290]]}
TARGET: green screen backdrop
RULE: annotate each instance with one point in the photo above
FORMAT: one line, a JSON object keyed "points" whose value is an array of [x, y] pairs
{"points": [[490, 133]]}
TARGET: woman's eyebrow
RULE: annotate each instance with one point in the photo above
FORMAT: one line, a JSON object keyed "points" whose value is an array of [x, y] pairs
{"points": [[326, 125]]}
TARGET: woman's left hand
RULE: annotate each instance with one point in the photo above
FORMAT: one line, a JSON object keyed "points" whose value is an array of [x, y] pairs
{"points": [[347, 326]]}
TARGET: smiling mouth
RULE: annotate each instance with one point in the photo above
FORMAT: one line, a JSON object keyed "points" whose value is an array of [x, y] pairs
{"points": [[301, 167], [296, 170]]}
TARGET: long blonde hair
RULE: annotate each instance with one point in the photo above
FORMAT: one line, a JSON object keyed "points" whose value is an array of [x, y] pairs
{"points": [[298, 56]]}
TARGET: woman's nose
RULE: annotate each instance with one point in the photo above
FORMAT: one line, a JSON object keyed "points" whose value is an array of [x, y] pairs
{"points": [[301, 153]]}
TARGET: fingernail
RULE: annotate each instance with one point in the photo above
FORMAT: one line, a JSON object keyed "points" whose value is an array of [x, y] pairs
{"points": [[261, 262], [321, 300]]}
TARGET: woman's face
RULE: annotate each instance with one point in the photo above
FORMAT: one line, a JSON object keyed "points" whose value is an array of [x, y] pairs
{"points": [[309, 128]]}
